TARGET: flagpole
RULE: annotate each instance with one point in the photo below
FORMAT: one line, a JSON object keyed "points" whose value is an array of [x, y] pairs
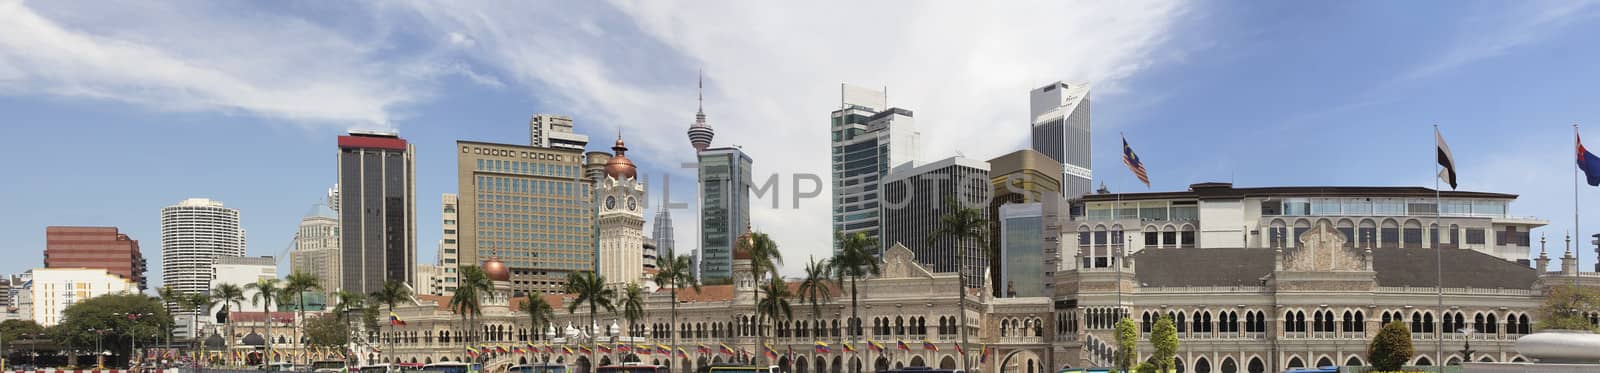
{"points": [[1576, 253], [1438, 252]]}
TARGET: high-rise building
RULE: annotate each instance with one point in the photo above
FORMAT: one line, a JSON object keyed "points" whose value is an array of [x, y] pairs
{"points": [[651, 254], [621, 219], [194, 233], [662, 230], [527, 206], [333, 198], [94, 247], [554, 132], [1025, 177], [428, 279], [914, 198], [1021, 265], [377, 213], [316, 246], [1061, 129], [449, 247], [869, 139], [48, 292], [724, 209], [241, 271]]}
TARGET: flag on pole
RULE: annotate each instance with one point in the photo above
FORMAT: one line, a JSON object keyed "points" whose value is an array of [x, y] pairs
{"points": [[901, 345], [983, 357], [1449, 161], [642, 350], [874, 346], [1133, 163], [682, 353], [1589, 164], [472, 353], [501, 349], [960, 351], [702, 349], [929, 346], [607, 350], [395, 320], [771, 353], [823, 348], [726, 350], [847, 347], [663, 349], [566, 350]]}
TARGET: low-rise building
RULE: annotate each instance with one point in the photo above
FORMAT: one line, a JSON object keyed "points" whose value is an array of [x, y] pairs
{"points": [[47, 292]]}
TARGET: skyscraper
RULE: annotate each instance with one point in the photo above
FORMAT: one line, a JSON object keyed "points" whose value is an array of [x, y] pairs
{"points": [[914, 199], [555, 132], [1027, 185], [528, 206], [869, 139], [377, 212], [194, 233], [449, 246], [1061, 129], [621, 219], [316, 246], [662, 230], [94, 247], [724, 209]]}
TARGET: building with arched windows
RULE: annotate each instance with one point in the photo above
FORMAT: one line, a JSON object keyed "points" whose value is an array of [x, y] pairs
{"points": [[1242, 298], [1266, 279]]}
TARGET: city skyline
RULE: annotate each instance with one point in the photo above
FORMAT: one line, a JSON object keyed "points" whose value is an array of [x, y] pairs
{"points": [[1506, 105]]}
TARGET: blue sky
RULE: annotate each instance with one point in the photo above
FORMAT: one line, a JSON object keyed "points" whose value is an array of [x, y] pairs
{"points": [[115, 110]]}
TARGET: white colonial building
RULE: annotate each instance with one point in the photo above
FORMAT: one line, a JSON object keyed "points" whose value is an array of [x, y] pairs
{"points": [[621, 222]]}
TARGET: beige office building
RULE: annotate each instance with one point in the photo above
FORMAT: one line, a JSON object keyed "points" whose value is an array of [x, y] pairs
{"points": [[528, 207]]}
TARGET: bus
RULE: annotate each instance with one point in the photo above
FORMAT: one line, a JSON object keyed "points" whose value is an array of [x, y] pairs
{"points": [[1313, 370], [328, 366], [633, 368], [451, 367], [920, 370], [1085, 370], [735, 368], [279, 367], [538, 368], [379, 368]]}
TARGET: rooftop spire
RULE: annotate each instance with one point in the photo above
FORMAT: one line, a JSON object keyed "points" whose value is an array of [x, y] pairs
{"points": [[702, 109], [700, 133]]}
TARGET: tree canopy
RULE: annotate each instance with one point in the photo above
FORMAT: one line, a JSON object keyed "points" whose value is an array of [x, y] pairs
{"points": [[116, 317], [1566, 307], [1391, 348]]}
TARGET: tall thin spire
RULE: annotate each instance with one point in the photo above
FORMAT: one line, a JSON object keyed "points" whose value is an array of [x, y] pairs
{"points": [[700, 133]]}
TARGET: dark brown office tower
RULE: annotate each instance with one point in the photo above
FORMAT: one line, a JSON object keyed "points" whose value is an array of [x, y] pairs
{"points": [[377, 212], [94, 247]]}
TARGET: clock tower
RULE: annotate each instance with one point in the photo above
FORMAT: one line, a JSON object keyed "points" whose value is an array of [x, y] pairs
{"points": [[621, 194]]}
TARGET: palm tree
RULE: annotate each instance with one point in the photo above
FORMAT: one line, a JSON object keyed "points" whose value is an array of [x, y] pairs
{"points": [[633, 305], [227, 295], [266, 292], [170, 297], [675, 273], [857, 258], [764, 261], [814, 288], [189, 303], [349, 301], [590, 288], [296, 285], [962, 225], [468, 301], [392, 293], [773, 304], [539, 313]]}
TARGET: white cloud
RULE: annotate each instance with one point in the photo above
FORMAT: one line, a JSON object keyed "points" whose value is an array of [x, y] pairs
{"points": [[199, 58], [773, 72]]}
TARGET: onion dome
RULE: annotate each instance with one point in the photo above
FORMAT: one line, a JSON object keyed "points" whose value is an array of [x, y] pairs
{"points": [[700, 133], [741, 245], [496, 270], [254, 339], [620, 167]]}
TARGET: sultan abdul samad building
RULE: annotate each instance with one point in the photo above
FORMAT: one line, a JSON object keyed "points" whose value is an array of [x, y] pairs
{"points": [[1258, 280]]}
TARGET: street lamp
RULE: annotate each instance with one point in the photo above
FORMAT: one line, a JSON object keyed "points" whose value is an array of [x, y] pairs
{"points": [[99, 350], [1466, 349], [132, 318]]}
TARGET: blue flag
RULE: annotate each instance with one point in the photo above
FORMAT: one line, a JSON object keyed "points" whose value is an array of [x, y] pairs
{"points": [[1589, 163]]}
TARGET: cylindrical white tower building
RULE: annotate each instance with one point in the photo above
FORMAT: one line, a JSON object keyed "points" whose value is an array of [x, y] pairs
{"points": [[193, 234]]}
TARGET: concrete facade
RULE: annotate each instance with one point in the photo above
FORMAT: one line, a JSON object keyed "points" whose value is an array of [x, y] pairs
{"points": [[95, 247], [194, 233], [527, 206]]}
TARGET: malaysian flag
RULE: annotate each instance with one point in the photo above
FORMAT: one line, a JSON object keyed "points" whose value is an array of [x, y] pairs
{"points": [[1132, 160]]}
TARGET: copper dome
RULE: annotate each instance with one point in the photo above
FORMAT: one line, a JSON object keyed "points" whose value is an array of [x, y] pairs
{"points": [[741, 245], [619, 167], [496, 270]]}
